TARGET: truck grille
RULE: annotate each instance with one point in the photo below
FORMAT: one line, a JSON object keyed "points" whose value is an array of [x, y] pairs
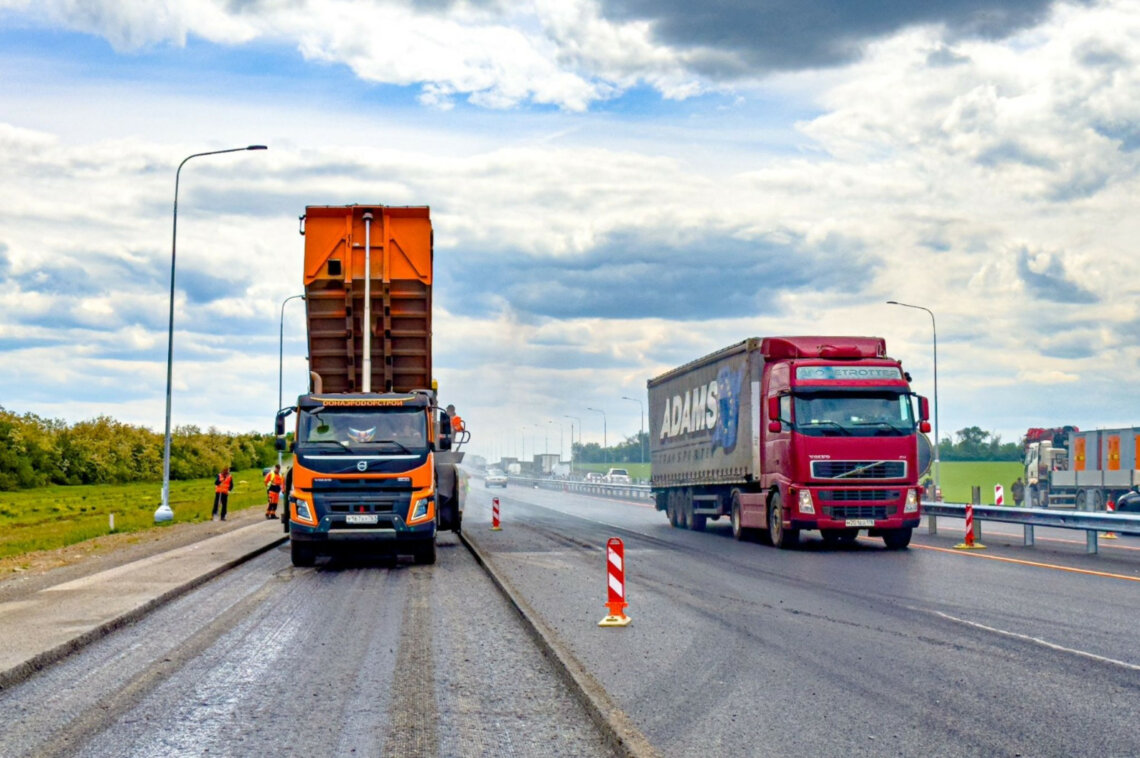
{"points": [[860, 496], [858, 511], [858, 469], [355, 505]]}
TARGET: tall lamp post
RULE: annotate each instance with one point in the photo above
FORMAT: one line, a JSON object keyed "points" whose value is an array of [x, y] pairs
{"points": [[281, 359], [937, 439], [552, 421], [641, 435], [605, 443], [163, 512], [574, 418]]}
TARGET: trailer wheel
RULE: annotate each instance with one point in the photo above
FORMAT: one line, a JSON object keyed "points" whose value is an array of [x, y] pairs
{"points": [[303, 556], [671, 509], [897, 539], [785, 539], [1081, 499]]}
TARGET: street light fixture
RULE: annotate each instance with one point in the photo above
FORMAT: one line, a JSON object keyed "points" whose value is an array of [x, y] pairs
{"points": [[641, 435], [163, 512], [281, 359], [937, 439]]}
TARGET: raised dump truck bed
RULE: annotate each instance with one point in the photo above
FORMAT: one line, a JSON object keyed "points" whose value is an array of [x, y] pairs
{"points": [[400, 290]]}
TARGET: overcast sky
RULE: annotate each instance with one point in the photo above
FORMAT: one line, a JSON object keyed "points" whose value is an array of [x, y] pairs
{"points": [[617, 187]]}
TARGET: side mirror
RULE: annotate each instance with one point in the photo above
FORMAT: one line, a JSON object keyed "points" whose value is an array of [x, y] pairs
{"points": [[774, 414], [279, 443], [444, 431], [279, 426], [923, 409]]}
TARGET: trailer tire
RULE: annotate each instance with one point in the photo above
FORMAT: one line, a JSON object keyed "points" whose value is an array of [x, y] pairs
{"points": [[785, 539], [1081, 499], [303, 556], [897, 539], [671, 509]]}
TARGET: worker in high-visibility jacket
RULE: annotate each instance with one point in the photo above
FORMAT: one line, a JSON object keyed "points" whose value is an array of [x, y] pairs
{"points": [[457, 425], [274, 483], [223, 486]]}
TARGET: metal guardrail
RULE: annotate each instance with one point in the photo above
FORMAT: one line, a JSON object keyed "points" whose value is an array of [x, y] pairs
{"points": [[1091, 522], [602, 489]]}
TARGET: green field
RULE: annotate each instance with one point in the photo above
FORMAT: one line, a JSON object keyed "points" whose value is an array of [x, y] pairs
{"points": [[959, 476], [52, 517]]}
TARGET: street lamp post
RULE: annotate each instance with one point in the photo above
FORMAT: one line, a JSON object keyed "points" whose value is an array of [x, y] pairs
{"points": [[575, 418], [641, 435], [552, 421], [163, 512], [937, 439], [281, 360], [605, 443]]}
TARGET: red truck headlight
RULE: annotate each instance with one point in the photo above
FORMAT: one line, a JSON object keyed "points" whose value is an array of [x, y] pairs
{"points": [[911, 501], [807, 505]]}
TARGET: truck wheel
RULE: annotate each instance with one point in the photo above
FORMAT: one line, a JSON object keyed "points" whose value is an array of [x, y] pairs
{"points": [[739, 532], [785, 539], [897, 539], [1081, 499], [671, 509], [303, 555], [424, 554]]}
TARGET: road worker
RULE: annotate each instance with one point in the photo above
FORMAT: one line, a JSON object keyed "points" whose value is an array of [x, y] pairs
{"points": [[274, 483], [223, 486], [456, 421]]}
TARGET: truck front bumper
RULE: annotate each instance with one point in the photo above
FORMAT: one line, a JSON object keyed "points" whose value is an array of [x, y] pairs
{"points": [[886, 524], [334, 528]]}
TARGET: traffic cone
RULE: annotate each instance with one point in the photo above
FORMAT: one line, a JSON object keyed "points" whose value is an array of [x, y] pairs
{"points": [[970, 544], [1111, 507]]}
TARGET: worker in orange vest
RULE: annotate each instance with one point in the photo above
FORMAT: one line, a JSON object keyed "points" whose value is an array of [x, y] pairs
{"points": [[223, 486], [457, 425], [274, 482]]}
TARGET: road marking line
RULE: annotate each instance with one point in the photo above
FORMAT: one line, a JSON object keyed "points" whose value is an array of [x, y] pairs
{"points": [[1039, 641], [1022, 562]]}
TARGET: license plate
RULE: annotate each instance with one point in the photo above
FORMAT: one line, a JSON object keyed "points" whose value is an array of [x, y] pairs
{"points": [[360, 518], [861, 522]]}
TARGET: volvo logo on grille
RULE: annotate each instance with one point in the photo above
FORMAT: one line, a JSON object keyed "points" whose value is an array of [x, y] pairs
{"points": [[361, 465]]}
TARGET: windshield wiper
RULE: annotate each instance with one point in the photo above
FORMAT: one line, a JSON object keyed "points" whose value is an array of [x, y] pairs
{"points": [[826, 422], [880, 424], [400, 445]]}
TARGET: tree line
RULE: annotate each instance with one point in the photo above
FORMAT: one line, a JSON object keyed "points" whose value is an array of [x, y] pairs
{"points": [[36, 451]]}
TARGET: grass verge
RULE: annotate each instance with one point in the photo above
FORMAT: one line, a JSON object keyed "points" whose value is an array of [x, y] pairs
{"points": [[53, 517]]}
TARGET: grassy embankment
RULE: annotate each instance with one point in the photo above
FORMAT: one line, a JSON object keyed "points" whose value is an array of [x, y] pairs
{"points": [[957, 477], [52, 517]]}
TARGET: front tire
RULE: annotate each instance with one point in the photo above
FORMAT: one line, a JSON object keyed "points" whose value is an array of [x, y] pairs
{"points": [[424, 554], [785, 539], [739, 532], [303, 556], [897, 539]]}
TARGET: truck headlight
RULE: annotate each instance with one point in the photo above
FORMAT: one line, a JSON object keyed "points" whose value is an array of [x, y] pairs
{"points": [[911, 501], [304, 513], [421, 509], [806, 504]]}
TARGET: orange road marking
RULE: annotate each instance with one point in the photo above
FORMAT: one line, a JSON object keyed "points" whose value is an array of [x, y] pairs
{"points": [[1021, 562]]}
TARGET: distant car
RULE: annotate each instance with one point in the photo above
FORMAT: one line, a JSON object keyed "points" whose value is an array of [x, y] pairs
{"points": [[618, 476], [495, 478], [594, 476]]}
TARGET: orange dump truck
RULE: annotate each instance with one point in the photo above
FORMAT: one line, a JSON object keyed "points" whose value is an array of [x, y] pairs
{"points": [[374, 457]]}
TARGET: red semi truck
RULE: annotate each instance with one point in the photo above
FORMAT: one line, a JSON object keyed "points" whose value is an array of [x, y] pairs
{"points": [[785, 434]]}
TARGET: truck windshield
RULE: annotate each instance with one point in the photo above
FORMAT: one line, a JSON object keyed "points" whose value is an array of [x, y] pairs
{"points": [[402, 429], [864, 414]]}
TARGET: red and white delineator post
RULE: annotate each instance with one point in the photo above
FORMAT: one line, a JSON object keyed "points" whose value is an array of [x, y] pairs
{"points": [[999, 495], [615, 577], [1110, 506], [970, 543], [495, 515]]}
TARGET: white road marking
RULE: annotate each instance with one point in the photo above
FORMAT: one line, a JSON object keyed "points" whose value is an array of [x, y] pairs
{"points": [[1039, 641]]}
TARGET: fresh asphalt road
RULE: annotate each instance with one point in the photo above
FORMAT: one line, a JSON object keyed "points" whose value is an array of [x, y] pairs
{"points": [[741, 649], [348, 658]]}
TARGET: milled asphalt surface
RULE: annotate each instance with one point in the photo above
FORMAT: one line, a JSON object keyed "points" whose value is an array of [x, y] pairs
{"points": [[350, 657], [741, 649]]}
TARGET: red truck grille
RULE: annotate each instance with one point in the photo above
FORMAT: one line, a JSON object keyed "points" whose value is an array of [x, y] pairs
{"points": [[858, 511], [858, 469], [859, 496]]}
